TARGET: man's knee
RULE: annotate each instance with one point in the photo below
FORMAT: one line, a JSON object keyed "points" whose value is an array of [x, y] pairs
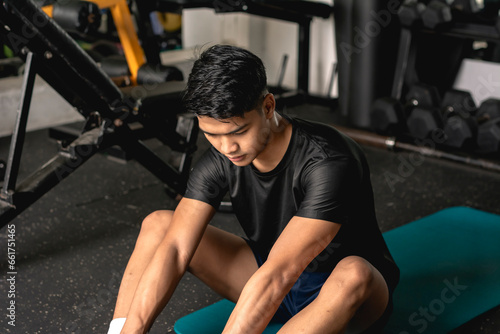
{"points": [[155, 225], [355, 276]]}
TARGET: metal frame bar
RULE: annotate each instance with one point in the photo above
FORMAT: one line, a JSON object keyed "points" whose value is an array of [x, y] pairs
{"points": [[49, 175], [17, 141], [406, 43], [467, 30]]}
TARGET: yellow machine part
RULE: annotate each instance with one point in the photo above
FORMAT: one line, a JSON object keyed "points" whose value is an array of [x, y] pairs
{"points": [[170, 21], [126, 32]]}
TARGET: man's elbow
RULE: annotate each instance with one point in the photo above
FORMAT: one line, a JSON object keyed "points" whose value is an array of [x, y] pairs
{"points": [[283, 277]]}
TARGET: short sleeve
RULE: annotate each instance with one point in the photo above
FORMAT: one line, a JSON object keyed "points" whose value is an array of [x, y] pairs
{"points": [[207, 182], [329, 189]]}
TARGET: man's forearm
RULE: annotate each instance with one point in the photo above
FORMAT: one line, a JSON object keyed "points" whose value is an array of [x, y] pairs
{"points": [[258, 302], [155, 288]]}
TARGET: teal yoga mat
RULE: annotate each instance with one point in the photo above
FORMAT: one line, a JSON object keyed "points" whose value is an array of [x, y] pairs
{"points": [[450, 270], [450, 273]]}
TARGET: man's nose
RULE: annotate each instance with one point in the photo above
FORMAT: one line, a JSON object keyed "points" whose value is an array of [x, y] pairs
{"points": [[228, 145]]}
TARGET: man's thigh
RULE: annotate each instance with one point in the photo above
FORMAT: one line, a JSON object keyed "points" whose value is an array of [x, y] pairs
{"points": [[351, 299], [224, 262]]}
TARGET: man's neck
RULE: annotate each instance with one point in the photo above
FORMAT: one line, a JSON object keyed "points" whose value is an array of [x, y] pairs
{"points": [[279, 139]]}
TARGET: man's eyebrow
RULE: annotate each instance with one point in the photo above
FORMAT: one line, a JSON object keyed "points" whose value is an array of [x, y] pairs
{"points": [[238, 129]]}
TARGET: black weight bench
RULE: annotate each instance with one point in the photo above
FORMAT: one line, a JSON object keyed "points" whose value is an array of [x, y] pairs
{"points": [[114, 117], [297, 11]]}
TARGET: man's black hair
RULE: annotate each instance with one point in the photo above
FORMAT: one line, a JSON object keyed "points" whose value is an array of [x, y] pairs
{"points": [[226, 81]]}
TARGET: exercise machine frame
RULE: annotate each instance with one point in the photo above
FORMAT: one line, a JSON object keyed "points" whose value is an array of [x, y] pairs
{"points": [[109, 112]]}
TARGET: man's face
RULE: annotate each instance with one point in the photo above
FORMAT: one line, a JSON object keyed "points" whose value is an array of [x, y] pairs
{"points": [[240, 139]]}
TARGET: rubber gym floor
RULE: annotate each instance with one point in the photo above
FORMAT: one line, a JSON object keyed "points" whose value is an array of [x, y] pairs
{"points": [[73, 244]]}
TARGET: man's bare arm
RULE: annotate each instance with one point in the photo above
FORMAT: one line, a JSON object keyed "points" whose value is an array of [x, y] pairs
{"points": [[301, 241], [169, 264]]}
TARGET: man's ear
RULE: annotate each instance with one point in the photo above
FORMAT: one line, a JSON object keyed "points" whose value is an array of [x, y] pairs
{"points": [[269, 105]]}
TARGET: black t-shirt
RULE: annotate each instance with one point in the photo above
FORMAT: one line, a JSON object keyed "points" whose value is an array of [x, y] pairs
{"points": [[323, 175]]}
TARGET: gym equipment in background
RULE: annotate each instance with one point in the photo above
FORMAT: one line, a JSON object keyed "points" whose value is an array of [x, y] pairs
{"points": [[114, 117], [424, 117], [75, 16], [390, 116], [84, 17], [488, 119], [425, 148], [435, 37], [452, 116], [459, 125]]}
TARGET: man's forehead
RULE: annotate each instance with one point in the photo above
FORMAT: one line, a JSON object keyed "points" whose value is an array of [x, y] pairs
{"points": [[206, 122], [212, 125]]}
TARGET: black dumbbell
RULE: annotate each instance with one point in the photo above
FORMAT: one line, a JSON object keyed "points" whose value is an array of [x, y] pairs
{"points": [[458, 101], [424, 117], [489, 110], [422, 122], [488, 118], [436, 13], [459, 119], [440, 12], [488, 137], [77, 16], [388, 114], [423, 95], [410, 13]]}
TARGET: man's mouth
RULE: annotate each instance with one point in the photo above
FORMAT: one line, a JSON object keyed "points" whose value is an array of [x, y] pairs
{"points": [[236, 158]]}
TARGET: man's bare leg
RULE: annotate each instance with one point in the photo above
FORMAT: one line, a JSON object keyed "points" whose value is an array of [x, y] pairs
{"points": [[152, 231], [351, 300], [222, 260]]}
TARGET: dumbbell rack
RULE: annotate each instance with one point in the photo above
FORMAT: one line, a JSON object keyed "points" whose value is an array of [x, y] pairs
{"points": [[463, 28]]}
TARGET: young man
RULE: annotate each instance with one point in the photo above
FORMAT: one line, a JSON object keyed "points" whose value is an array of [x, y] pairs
{"points": [[313, 258]]}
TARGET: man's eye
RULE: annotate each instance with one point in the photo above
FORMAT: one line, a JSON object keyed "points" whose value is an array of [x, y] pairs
{"points": [[239, 133]]}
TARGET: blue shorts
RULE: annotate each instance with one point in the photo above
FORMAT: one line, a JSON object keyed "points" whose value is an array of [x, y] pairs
{"points": [[306, 289]]}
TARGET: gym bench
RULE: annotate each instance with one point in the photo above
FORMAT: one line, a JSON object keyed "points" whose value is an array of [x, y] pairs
{"points": [[138, 65], [114, 117]]}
